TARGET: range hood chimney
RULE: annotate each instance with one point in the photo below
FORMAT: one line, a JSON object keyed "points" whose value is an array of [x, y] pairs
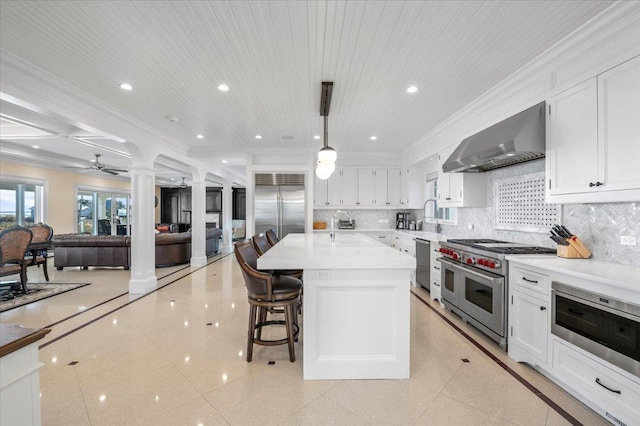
{"points": [[515, 140]]}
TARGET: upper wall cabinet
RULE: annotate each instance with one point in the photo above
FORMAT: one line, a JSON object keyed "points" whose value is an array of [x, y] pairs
{"points": [[593, 142], [413, 187], [366, 187], [327, 192], [460, 189]]}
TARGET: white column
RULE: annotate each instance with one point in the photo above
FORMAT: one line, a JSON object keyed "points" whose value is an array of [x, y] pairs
{"points": [[198, 226], [227, 215], [143, 242]]}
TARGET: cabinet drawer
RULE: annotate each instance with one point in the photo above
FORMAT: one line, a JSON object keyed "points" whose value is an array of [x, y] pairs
{"points": [[616, 395], [532, 280]]}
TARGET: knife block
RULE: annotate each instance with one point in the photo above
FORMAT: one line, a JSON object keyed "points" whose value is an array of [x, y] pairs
{"points": [[568, 252], [575, 250]]}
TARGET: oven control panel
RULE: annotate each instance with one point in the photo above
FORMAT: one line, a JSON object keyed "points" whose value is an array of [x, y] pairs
{"points": [[482, 262]]}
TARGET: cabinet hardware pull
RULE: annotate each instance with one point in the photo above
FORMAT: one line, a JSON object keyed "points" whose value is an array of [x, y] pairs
{"points": [[529, 281], [599, 183], [543, 308], [607, 387], [591, 184], [436, 268], [436, 284]]}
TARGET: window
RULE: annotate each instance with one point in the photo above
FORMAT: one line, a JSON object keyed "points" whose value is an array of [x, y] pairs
{"points": [[21, 203], [103, 213], [445, 215]]}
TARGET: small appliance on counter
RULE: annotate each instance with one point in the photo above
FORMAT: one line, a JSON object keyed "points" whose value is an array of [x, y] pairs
{"points": [[347, 224], [402, 220]]}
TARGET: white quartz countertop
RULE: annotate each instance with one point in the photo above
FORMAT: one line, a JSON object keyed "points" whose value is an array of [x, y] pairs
{"points": [[610, 273], [349, 251], [423, 235]]}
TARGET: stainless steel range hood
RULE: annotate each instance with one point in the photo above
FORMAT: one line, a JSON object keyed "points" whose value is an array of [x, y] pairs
{"points": [[515, 140]]}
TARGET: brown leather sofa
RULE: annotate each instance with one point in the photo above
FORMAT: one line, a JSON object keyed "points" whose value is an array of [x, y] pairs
{"points": [[115, 250]]}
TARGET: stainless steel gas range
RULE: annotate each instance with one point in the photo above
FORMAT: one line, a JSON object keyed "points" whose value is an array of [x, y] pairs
{"points": [[474, 282]]}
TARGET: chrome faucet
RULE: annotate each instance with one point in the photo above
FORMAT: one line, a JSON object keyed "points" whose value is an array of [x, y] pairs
{"points": [[438, 227], [332, 234]]}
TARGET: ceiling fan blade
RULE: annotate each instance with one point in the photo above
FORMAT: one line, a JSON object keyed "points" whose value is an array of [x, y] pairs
{"points": [[109, 171], [75, 167]]}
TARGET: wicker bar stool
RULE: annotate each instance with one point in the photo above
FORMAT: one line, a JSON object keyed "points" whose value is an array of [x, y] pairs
{"points": [[267, 291]]}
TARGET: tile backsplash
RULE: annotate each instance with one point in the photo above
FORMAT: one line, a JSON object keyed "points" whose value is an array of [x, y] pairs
{"points": [[600, 226]]}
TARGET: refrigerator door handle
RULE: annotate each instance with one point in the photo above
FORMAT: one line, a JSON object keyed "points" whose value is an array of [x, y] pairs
{"points": [[279, 218]]}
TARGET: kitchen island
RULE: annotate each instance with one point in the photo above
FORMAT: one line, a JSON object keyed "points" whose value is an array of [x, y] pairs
{"points": [[356, 304]]}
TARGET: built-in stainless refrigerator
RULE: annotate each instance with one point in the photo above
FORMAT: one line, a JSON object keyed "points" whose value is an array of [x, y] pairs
{"points": [[279, 203]]}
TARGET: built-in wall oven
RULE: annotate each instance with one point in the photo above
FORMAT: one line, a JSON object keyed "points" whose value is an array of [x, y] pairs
{"points": [[604, 326], [474, 282]]}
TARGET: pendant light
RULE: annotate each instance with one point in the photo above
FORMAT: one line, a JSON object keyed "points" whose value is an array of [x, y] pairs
{"points": [[327, 155]]}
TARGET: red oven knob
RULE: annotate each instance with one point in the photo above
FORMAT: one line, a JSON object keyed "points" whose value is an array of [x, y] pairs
{"points": [[492, 265], [442, 249], [481, 262], [471, 261], [455, 256]]}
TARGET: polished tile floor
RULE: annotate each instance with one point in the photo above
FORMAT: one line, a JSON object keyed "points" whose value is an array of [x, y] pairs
{"points": [[177, 357]]}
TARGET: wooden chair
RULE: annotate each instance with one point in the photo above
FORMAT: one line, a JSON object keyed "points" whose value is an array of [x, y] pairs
{"points": [[268, 291], [262, 245], [38, 250], [272, 237], [14, 243]]}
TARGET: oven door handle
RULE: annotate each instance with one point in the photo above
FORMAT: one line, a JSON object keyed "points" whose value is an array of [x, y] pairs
{"points": [[494, 279]]}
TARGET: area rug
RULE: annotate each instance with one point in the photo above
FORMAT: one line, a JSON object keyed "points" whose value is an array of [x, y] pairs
{"points": [[36, 291]]}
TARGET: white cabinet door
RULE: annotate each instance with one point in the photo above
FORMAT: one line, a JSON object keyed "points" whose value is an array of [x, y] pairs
{"points": [[366, 194], [414, 183], [529, 325], [320, 193], [619, 127], [349, 187], [572, 145], [381, 187], [333, 189], [394, 191], [594, 139], [460, 189]]}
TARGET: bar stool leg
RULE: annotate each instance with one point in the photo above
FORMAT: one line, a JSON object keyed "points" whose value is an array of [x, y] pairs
{"points": [[262, 317], [288, 318], [252, 330]]}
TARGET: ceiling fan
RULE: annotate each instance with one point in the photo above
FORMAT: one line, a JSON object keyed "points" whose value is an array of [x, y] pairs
{"points": [[98, 166]]}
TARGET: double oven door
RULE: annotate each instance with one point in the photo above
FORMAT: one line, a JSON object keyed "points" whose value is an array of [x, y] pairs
{"points": [[478, 294]]}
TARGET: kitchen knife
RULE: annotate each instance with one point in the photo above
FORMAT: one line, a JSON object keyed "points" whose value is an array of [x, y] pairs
{"points": [[559, 240], [555, 234], [564, 228], [561, 231]]}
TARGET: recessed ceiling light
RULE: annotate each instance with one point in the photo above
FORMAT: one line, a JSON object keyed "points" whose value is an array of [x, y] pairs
{"points": [[223, 87], [412, 89], [316, 137], [173, 178], [126, 86], [258, 137], [200, 136], [224, 161], [35, 146], [373, 138]]}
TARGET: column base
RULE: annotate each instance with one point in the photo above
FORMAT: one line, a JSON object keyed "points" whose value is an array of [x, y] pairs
{"points": [[197, 262], [142, 286]]}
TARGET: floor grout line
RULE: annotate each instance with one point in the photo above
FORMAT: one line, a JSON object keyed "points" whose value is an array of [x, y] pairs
{"points": [[504, 366], [80, 327]]}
